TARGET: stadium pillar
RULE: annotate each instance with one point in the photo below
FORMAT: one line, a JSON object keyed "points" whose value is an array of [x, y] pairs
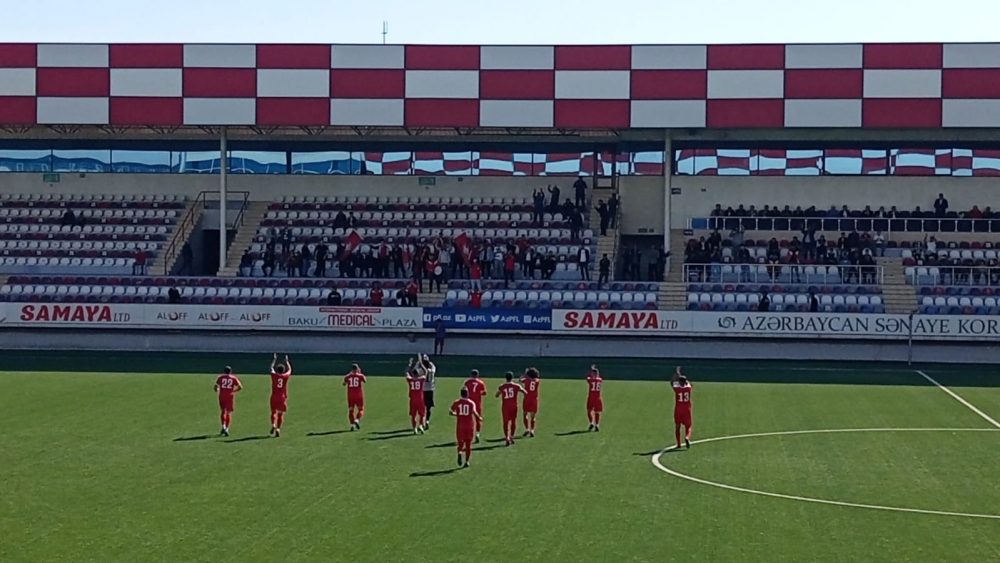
{"points": [[223, 179], [668, 163]]}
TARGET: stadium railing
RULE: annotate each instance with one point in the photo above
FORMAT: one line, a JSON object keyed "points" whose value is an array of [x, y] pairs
{"points": [[846, 224], [783, 273]]}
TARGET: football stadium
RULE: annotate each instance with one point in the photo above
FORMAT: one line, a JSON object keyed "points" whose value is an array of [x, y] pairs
{"points": [[231, 274]]}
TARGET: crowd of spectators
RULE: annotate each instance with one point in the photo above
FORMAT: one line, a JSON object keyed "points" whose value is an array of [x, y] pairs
{"points": [[853, 252], [653, 257]]}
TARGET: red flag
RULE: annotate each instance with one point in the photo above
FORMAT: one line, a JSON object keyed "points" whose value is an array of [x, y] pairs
{"points": [[462, 243], [351, 243]]}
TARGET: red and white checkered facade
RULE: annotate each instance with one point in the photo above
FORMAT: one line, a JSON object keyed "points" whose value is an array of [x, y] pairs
{"points": [[608, 86]]}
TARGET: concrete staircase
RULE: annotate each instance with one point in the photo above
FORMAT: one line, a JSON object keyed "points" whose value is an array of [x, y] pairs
{"points": [[897, 296], [607, 243], [163, 262], [252, 217], [677, 244], [673, 297]]}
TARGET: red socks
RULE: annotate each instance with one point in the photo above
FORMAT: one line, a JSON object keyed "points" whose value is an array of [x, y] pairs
{"points": [[597, 418], [281, 419], [225, 419], [677, 434]]}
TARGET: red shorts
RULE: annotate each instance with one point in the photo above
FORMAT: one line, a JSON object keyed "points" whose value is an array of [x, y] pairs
{"points": [[596, 405], [227, 404], [531, 405], [358, 402], [279, 403], [464, 435], [510, 413], [682, 417], [417, 408]]}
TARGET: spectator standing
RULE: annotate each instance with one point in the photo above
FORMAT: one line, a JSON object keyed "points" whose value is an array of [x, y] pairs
{"points": [[880, 243], [554, 199], [499, 260], [476, 273], [434, 274], [538, 209], [246, 264], [580, 188], [527, 259], [764, 305], [605, 271], [549, 266], [376, 295], [536, 264], [139, 263], [334, 298], [509, 264], [173, 296], [575, 224], [305, 256], [322, 251], [439, 335], [398, 269], [613, 211], [653, 262], [411, 292], [940, 206], [809, 243], [476, 298], [813, 303], [445, 258], [602, 210], [930, 247], [583, 262], [187, 260], [68, 219], [286, 239]]}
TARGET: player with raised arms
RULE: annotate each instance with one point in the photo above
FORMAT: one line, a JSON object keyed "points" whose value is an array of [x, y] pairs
{"points": [[595, 404], [682, 406], [418, 412], [279, 393], [227, 385], [530, 402], [465, 412], [508, 393], [354, 381], [477, 390]]}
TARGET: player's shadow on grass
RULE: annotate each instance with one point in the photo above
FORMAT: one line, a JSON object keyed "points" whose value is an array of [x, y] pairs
{"points": [[192, 438], [389, 432], [669, 450], [328, 433], [437, 473], [488, 448], [246, 439], [496, 440], [391, 436], [442, 445], [572, 433]]}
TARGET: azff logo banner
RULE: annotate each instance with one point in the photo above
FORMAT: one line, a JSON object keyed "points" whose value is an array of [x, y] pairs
{"points": [[488, 319]]}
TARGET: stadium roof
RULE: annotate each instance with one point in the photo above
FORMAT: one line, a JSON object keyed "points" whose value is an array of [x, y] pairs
{"points": [[498, 89]]}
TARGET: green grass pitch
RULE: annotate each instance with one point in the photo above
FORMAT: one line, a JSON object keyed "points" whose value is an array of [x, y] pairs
{"points": [[113, 466]]}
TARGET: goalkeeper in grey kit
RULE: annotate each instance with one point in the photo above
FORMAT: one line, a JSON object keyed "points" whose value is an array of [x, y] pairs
{"points": [[426, 368]]}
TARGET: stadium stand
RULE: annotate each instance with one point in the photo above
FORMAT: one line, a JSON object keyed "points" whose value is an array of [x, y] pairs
{"points": [[83, 234]]}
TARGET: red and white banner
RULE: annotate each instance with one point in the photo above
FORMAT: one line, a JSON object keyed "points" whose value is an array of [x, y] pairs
{"points": [[245, 317]]}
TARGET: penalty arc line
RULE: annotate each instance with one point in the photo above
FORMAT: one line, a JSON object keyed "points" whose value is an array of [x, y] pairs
{"points": [[955, 396], [665, 469]]}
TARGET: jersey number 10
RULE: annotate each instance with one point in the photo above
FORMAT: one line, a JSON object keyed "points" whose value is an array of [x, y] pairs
{"points": [[463, 410]]}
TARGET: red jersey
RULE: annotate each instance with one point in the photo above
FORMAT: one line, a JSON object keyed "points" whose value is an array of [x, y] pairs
{"points": [[465, 412], [416, 387], [279, 383], [476, 388], [682, 397], [508, 394], [594, 383], [353, 382], [227, 384], [530, 387]]}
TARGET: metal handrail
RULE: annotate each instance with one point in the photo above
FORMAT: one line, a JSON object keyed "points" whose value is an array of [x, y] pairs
{"points": [[783, 274], [847, 224], [978, 276], [171, 252]]}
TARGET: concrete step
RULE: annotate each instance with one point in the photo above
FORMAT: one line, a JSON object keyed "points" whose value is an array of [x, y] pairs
{"points": [[252, 218], [672, 297], [164, 262]]}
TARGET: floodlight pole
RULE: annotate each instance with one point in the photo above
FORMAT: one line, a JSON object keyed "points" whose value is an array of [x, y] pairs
{"points": [[668, 164], [223, 179]]}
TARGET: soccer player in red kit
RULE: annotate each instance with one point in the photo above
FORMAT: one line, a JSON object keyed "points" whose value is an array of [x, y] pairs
{"points": [[464, 410], [227, 385], [508, 393], [530, 403], [354, 382], [595, 405], [477, 390], [682, 407], [418, 412], [279, 393]]}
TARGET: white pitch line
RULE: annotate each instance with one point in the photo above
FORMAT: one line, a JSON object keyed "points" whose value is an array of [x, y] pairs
{"points": [[661, 467], [954, 395]]}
